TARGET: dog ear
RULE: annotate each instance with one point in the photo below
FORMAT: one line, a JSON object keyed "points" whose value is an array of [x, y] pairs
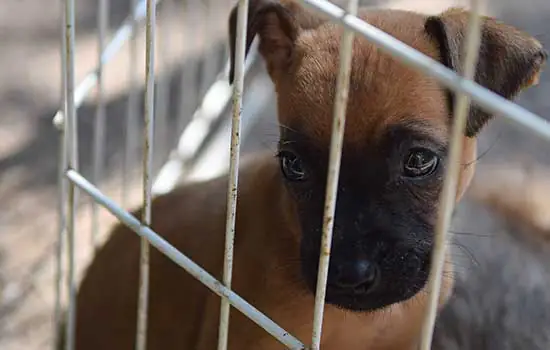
{"points": [[509, 60], [278, 24]]}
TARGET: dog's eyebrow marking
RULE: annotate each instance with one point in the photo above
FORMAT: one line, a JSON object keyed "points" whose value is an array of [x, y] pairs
{"points": [[418, 131], [287, 128], [289, 135], [286, 142]]}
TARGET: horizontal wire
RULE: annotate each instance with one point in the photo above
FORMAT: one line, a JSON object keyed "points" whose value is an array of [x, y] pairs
{"points": [[485, 98], [120, 37], [187, 264]]}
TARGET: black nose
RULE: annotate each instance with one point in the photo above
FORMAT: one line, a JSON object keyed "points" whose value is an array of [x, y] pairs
{"points": [[360, 274]]}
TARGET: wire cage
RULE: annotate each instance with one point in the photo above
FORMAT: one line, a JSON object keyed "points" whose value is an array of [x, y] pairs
{"points": [[177, 133]]}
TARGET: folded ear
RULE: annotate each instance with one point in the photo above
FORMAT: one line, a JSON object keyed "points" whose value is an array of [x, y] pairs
{"points": [[278, 24], [509, 60]]}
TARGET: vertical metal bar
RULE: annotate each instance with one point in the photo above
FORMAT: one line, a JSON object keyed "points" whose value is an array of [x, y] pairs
{"points": [[448, 195], [62, 189], [163, 89], [242, 21], [208, 70], [180, 122], [111, 50], [60, 246], [71, 151], [187, 264], [141, 336], [190, 23], [99, 128], [225, 56], [483, 97], [338, 127], [131, 107], [196, 134]]}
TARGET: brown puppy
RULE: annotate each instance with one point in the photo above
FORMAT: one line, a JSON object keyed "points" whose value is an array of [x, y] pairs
{"points": [[391, 176]]}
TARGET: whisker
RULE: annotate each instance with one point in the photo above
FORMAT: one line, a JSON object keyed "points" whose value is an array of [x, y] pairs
{"points": [[282, 126], [467, 252], [286, 127], [464, 233], [484, 153]]}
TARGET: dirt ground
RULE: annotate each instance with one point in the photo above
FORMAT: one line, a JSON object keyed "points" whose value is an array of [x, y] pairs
{"points": [[29, 96]]}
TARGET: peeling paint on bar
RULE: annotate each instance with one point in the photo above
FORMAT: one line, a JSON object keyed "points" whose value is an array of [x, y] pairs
{"points": [[143, 293], [338, 126], [238, 85], [448, 195]]}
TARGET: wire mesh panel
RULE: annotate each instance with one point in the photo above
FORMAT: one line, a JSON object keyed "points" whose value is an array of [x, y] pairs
{"points": [[158, 88], [202, 121]]}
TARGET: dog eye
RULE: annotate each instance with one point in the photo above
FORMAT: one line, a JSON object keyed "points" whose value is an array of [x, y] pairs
{"points": [[292, 166], [420, 162]]}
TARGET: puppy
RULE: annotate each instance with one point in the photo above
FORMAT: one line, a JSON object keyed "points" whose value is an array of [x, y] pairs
{"points": [[394, 157]]}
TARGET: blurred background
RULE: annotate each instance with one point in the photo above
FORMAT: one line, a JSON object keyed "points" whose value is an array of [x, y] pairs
{"points": [[191, 48]]}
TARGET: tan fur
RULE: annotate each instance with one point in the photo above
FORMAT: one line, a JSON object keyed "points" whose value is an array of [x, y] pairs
{"points": [[373, 78], [183, 313], [265, 274]]}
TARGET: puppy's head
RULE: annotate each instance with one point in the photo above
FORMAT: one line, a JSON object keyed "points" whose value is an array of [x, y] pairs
{"points": [[396, 137]]}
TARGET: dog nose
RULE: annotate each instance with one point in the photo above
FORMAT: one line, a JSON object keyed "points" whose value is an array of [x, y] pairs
{"points": [[360, 274]]}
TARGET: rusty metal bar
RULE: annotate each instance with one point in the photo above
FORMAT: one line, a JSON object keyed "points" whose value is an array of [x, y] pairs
{"points": [[335, 155], [448, 194], [240, 46], [141, 334]]}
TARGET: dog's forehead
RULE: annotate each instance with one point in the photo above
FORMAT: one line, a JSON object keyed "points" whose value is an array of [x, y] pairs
{"points": [[382, 92]]}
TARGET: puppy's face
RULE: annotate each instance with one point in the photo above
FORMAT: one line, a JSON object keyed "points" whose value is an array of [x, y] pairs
{"points": [[395, 144], [386, 210], [392, 166]]}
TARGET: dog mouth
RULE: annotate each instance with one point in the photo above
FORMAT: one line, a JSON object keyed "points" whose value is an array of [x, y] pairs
{"points": [[351, 300], [347, 297], [370, 299], [394, 279]]}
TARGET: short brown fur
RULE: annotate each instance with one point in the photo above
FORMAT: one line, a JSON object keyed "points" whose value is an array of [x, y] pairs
{"points": [[374, 103], [301, 53]]}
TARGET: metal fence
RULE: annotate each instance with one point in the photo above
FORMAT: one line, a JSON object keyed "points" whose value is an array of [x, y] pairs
{"points": [[202, 123]]}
